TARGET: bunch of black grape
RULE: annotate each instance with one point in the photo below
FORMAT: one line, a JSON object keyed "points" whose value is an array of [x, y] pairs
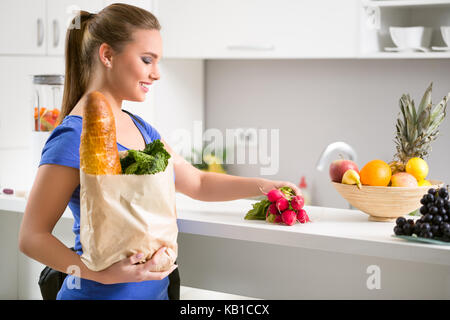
{"points": [[435, 220]]}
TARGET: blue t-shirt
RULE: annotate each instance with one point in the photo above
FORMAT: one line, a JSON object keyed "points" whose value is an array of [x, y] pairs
{"points": [[62, 147]]}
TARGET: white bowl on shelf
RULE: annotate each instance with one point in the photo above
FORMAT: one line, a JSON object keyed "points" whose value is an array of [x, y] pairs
{"points": [[411, 38], [445, 31]]}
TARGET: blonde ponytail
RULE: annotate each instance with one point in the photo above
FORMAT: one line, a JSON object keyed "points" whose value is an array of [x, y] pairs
{"points": [[75, 74]]}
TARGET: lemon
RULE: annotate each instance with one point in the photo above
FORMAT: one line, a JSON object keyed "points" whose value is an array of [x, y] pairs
{"points": [[424, 182], [417, 167]]}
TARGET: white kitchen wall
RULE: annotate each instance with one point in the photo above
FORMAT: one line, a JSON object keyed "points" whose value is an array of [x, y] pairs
{"points": [[316, 102], [179, 98]]}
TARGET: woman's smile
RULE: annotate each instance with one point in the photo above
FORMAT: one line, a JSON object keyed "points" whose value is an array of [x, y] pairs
{"points": [[144, 86]]}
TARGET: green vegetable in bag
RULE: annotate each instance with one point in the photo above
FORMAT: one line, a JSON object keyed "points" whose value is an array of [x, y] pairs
{"points": [[153, 159]]}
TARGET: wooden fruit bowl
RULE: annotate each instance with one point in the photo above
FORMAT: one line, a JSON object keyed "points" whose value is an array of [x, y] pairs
{"points": [[384, 203]]}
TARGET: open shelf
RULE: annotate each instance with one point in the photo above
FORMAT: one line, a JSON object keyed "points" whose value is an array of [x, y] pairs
{"points": [[378, 16], [405, 3]]}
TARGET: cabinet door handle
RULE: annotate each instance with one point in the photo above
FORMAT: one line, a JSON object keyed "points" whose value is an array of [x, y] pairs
{"points": [[40, 32], [251, 47], [55, 33]]}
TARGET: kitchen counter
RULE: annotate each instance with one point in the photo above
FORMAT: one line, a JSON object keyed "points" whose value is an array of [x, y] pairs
{"points": [[331, 229], [214, 237]]}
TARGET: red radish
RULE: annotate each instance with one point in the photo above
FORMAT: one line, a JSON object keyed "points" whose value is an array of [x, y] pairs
{"points": [[274, 195], [273, 208], [278, 219], [297, 202], [302, 217], [289, 217], [282, 204]]}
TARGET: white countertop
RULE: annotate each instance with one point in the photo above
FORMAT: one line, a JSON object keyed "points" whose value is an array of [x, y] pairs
{"points": [[331, 229]]}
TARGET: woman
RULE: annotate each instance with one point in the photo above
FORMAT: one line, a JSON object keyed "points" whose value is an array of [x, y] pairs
{"points": [[115, 52]]}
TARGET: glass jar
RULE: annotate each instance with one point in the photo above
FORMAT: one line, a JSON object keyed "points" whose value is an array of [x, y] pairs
{"points": [[48, 99]]}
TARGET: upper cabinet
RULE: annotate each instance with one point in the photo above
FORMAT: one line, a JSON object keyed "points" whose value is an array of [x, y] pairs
{"points": [[38, 27], [23, 25], [216, 29], [258, 28]]}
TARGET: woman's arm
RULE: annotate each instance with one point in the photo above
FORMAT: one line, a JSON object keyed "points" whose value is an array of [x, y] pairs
{"points": [[49, 196], [211, 186], [224, 187]]}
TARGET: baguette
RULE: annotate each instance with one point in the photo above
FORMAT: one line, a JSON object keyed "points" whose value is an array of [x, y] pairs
{"points": [[98, 146]]}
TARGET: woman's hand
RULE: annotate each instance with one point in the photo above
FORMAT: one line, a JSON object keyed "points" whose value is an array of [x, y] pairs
{"points": [[268, 185], [128, 269]]}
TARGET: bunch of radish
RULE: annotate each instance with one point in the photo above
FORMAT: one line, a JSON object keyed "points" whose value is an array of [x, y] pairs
{"points": [[279, 206], [285, 207]]}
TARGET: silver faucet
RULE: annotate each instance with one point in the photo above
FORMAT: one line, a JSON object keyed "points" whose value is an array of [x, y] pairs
{"points": [[336, 146]]}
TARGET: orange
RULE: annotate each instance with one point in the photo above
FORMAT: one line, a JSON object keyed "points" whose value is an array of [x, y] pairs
{"points": [[376, 173]]}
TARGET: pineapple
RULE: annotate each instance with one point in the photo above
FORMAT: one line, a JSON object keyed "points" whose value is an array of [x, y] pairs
{"points": [[416, 129]]}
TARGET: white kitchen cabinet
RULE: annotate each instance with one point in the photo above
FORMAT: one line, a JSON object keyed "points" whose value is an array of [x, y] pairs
{"points": [[23, 25], [38, 27], [59, 16], [258, 28]]}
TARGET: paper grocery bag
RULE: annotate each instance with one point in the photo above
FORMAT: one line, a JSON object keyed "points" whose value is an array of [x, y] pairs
{"points": [[125, 214]]}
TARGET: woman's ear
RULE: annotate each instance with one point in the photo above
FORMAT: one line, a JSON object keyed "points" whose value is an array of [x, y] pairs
{"points": [[106, 54]]}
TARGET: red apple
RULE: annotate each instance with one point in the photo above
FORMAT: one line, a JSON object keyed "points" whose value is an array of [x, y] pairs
{"points": [[338, 168]]}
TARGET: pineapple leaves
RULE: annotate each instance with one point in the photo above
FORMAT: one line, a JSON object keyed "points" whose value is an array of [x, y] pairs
{"points": [[407, 107], [416, 129], [424, 117], [426, 99], [438, 113]]}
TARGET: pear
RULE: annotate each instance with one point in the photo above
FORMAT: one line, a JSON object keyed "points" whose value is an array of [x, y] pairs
{"points": [[351, 177]]}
